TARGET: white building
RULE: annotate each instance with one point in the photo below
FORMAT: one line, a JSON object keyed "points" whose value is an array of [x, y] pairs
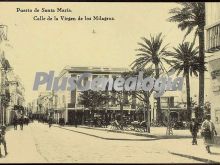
{"points": [[68, 102], [178, 98], [17, 99]]}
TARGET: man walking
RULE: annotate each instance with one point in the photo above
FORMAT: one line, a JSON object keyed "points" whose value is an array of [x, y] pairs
{"points": [[15, 122], [76, 122], [21, 122], [194, 128], [2, 139], [208, 132], [50, 121]]}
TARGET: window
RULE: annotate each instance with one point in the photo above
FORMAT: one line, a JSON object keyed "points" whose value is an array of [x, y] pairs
{"points": [[63, 99], [165, 101], [213, 38], [217, 116]]}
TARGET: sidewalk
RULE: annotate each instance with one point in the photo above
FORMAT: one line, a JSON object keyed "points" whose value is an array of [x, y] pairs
{"points": [[196, 152], [156, 132], [181, 147], [104, 134]]}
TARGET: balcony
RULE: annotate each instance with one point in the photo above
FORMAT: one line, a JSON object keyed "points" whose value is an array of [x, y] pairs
{"points": [[165, 105], [213, 38], [117, 107]]}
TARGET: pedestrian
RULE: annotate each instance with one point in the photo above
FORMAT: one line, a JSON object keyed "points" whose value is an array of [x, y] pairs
{"points": [[50, 121], [3, 140], [21, 122], [15, 122], [106, 120], [76, 122], [194, 128], [27, 120], [208, 132]]}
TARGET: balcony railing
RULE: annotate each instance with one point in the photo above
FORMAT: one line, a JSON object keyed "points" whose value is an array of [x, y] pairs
{"points": [[172, 105], [213, 39]]}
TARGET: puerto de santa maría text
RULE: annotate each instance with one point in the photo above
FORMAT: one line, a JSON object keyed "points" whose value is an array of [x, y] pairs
{"points": [[61, 17]]}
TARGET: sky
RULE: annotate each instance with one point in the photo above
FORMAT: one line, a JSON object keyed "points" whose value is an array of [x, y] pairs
{"points": [[41, 46]]}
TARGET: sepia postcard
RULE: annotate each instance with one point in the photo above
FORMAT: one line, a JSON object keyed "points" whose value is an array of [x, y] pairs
{"points": [[109, 82]]}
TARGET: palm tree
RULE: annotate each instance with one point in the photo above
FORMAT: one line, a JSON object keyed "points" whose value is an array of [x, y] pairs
{"points": [[185, 60], [191, 17], [152, 52]]}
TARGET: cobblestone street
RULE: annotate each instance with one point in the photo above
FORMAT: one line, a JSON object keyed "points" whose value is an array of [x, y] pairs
{"points": [[39, 143]]}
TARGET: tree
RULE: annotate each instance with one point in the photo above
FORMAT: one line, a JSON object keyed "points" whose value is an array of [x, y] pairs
{"points": [[191, 17], [186, 61], [142, 95], [93, 99], [120, 98], [152, 52]]}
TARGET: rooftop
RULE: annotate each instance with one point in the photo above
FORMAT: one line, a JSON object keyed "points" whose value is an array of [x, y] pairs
{"points": [[93, 69]]}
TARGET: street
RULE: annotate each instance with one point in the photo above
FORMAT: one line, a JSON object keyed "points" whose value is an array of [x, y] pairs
{"points": [[40, 144]]}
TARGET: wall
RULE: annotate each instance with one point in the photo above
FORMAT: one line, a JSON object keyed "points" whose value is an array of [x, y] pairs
{"points": [[212, 13], [215, 91]]}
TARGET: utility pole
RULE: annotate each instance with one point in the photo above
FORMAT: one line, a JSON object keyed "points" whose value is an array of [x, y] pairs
{"points": [[147, 108], [148, 120], [169, 126]]}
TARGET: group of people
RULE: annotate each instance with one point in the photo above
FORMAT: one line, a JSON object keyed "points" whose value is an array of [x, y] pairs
{"points": [[19, 121], [207, 132]]}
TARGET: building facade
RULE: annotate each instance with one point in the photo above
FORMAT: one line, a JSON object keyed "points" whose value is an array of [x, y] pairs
{"points": [[213, 54], [16, 104], [68, 103], [174, 104], [12, 90], [43, 106]]}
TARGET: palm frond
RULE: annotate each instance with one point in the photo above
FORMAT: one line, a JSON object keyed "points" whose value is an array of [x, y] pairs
{"points": [[151, 50], [189, 16]]}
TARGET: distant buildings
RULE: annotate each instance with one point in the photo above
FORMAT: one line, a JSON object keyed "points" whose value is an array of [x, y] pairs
{"points": [[32, 106], [45, 104]]}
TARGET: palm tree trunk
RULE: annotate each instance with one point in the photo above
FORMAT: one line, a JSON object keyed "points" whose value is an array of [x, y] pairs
{"points": [[188, 104], [159, 115], [201, 71]]}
